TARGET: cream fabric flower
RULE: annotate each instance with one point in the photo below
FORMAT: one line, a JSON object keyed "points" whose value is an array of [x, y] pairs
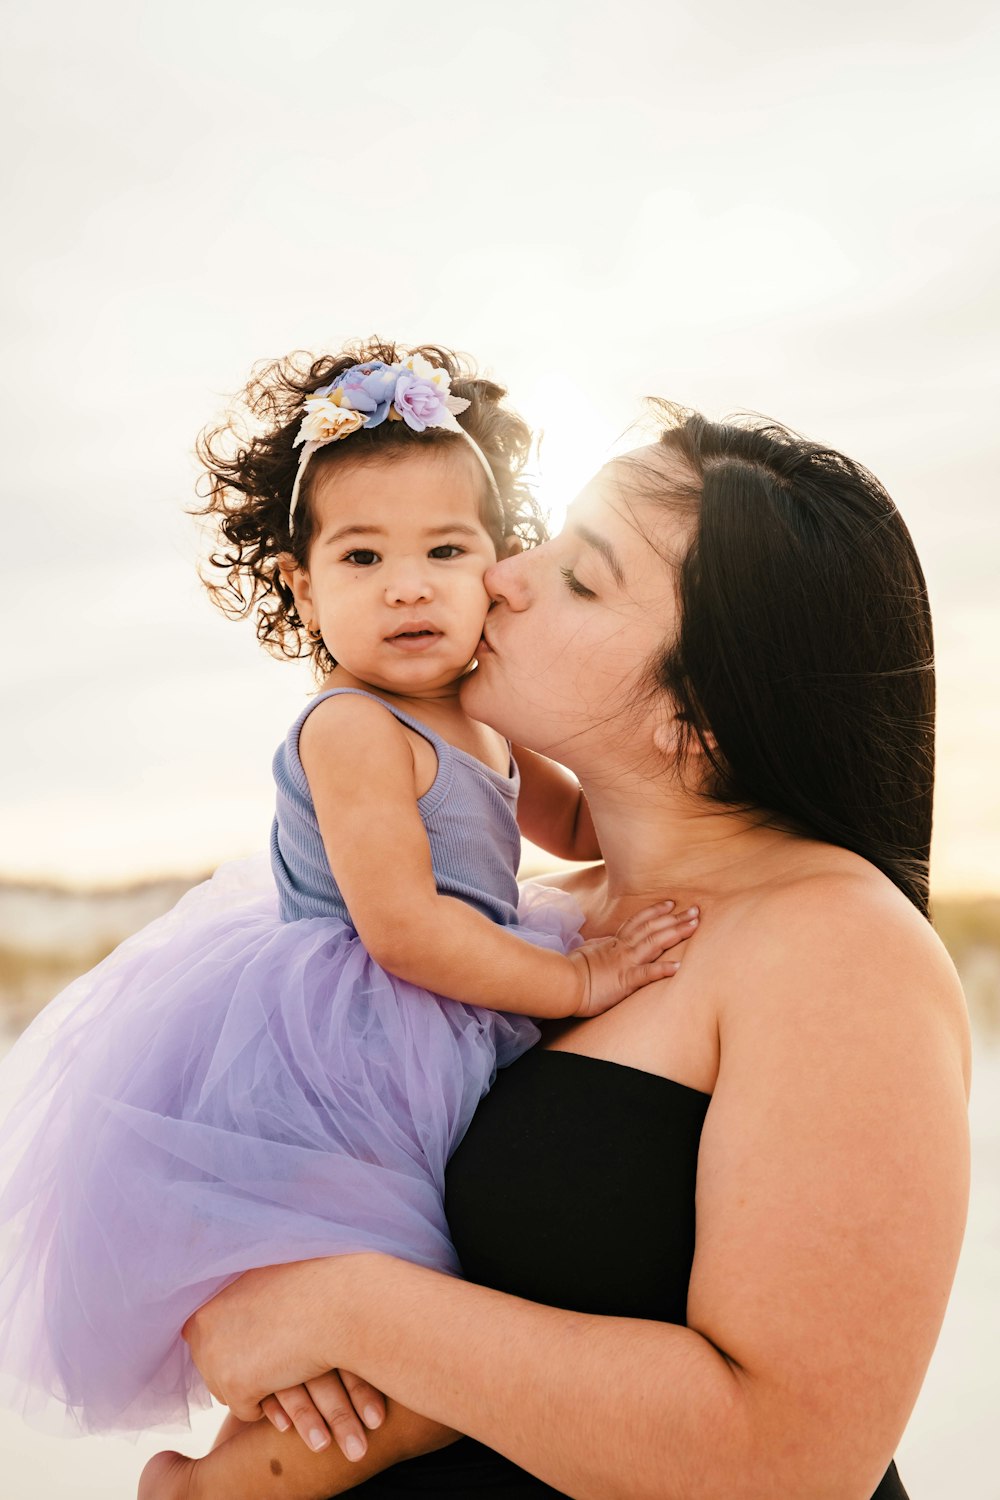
{"points": [[326, 420]]}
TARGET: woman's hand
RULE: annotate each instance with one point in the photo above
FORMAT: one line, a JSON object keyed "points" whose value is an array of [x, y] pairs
{"points": [[276, 1328], [614, 967]]}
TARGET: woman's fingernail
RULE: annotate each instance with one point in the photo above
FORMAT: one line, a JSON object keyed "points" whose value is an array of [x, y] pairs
{"points": [[281, 1421], [354, 1448], [373, 1417], [318, 1439]]}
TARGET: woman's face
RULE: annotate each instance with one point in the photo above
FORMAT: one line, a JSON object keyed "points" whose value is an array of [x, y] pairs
{"points": [[577, 624]]}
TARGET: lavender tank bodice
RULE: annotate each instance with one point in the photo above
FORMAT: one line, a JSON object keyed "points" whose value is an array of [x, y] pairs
{"points": [[469, 813]]}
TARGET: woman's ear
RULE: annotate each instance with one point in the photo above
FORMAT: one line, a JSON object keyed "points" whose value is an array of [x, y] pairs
{"points": [[509, 547], [667, 738], [704, 743]]}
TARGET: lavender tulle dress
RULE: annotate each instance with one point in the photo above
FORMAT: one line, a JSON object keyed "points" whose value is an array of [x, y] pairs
{"points": [[240, 1085]]}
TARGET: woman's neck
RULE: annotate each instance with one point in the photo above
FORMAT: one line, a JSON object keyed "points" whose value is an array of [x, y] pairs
{"points": [[668, 842]]}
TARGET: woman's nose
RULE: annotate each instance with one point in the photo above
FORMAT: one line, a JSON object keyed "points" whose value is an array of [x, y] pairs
{"points": [[506, 581]]}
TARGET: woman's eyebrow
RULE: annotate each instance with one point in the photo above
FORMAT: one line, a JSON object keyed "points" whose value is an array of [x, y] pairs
{"points": [[603, 546]]}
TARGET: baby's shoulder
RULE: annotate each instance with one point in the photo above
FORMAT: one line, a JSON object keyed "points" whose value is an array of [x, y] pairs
{"points": [[342, 718], [348, 740]]}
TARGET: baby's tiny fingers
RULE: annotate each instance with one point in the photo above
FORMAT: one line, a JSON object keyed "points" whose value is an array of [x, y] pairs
{"points": [[661, 936], [679, 929], [650, 973], [642, 918], [275, 1413], [366, 1400], [306, 1418], [333, 1401]]}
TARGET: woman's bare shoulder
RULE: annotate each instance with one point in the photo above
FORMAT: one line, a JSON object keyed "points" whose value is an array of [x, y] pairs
{"points": [[839, 930]]}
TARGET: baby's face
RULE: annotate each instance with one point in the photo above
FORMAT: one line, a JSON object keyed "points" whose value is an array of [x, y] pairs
{"points": [[395, 572]]}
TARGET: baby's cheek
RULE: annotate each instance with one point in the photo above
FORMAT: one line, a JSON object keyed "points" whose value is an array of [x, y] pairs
{"points": [[479, 599]]}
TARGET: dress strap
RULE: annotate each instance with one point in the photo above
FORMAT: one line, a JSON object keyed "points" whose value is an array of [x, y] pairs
{"points": [[440, 745]]}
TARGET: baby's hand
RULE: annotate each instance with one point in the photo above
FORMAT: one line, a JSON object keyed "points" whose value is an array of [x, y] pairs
{"points": [[615, 966]]}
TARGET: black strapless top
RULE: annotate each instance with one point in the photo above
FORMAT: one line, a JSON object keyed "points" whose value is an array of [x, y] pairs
{"points": [[574, 1186]]}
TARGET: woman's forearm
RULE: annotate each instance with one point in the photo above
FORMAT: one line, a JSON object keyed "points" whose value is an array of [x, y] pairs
{"points": [[597, 1407]]}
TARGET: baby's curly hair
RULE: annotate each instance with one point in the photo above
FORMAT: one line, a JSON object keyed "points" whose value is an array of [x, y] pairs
{"points": [[250, 467]]}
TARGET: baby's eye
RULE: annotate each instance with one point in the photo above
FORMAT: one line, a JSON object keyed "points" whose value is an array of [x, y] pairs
{"points": [[446, 551], [362, 556], [575, 586]]}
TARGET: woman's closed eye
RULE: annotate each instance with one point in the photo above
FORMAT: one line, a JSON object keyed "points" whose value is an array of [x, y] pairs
{"points": [[575, 586]]}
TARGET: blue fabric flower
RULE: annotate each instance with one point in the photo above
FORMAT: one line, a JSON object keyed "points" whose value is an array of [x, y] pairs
{"points": [[368, 388]]}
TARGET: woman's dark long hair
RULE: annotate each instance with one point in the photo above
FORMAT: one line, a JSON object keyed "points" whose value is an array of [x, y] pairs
{"points": [[804, 660]]}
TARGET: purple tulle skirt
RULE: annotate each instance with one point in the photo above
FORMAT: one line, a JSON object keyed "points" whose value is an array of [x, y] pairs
{"points": [[224, 1091]]}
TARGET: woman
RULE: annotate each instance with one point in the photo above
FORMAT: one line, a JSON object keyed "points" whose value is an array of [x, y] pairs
{"points": [[709, 1236]]}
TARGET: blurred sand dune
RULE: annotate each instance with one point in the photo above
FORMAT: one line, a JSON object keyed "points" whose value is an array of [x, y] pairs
{"points": [[49, 934]]}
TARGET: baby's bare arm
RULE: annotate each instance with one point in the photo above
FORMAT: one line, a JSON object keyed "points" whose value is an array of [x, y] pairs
{"points": [[269, 1465], [359, 765]]}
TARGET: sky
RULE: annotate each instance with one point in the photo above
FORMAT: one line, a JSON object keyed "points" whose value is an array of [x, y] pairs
{"points": [[785, 209]]}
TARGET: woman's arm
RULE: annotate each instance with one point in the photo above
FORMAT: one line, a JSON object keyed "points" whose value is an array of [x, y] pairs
{"points": [[831, 1199], [359, 765], [552, 810]]}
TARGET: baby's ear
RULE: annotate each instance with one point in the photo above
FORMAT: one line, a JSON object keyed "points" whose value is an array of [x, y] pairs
{"points": [[509, 547], [296, 579], [288, 569]]}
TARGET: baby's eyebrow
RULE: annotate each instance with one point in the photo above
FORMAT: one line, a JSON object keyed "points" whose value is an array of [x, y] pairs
{"points": [[460, 527], [358, 528], [355, 530], [603, 546]]}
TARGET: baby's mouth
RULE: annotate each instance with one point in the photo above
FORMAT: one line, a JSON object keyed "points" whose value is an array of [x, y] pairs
{"points": [[412, 637]]}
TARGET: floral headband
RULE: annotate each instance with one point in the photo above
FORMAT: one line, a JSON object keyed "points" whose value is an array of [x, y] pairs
{"points": [[413, 391]]}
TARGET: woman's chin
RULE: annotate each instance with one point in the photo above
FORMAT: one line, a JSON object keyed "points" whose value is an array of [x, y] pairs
{"points": [[474, 693]]}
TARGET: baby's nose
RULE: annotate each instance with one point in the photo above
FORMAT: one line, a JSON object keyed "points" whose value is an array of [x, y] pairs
{"points": [[407, 584]]}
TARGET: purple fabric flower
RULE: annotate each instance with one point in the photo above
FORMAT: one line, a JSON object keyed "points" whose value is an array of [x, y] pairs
{"points": [[420, 402]]}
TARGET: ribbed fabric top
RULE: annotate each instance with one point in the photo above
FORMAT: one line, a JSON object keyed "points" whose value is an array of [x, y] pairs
{"points": [[468, 812]]}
